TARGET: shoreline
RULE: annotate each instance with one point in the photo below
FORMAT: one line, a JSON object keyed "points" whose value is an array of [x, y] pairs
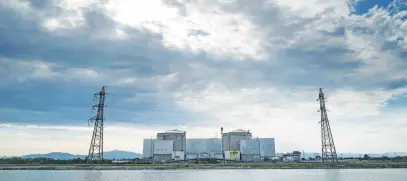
{"points": [[205, 167]]}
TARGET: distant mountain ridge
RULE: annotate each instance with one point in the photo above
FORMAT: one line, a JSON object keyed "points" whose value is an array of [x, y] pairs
{"points": [[115, 154]]}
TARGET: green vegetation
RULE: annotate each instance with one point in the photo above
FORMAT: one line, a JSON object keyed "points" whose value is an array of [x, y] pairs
{"points": [[46, 163], [280, 165], [214, 166], [18, 160]]}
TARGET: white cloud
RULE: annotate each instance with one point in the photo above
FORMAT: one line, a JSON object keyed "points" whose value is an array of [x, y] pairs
{"points": [[200, 27], [159, 81], [28, 139], [370, 37], [85, 74], [24, 70], [71, 14], [38, 69], [312, 7], [291, 115], [64, 14], [288, 115], [353, 104], [353, 3], [285, 112], [24, 6]]}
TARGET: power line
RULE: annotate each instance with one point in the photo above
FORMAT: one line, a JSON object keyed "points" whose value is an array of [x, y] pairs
{"points": [[173, 123], [203, 123], [182, 100], [159, 98], [175, 111]]}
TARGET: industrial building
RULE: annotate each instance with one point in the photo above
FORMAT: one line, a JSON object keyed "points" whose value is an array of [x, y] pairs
{"points": [[163, 150], [235, 145], [257, 149], [204, 148], [231, 140], [267, 148], [169, 145], [250, 150], [178, 138], [148, 149], [294, 156], [195, 148]]}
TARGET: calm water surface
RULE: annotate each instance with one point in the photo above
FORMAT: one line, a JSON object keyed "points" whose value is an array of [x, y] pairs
{"points": [[209, 175]]}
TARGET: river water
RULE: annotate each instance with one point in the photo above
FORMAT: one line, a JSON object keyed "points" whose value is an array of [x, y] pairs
{"points": [[208, 175]]}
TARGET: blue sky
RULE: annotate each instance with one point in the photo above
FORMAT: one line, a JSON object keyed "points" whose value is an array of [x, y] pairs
{"points": [[363, 6], [198, 66]]}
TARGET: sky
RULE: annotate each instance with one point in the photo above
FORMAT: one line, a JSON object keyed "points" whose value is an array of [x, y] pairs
{"points": [[199, 65]]}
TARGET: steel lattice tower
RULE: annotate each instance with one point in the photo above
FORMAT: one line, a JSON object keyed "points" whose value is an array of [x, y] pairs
{"points": [[96, 144], [328, 146]]}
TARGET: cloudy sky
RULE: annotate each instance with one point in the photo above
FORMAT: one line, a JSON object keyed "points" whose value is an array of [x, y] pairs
{"points": [[197, 65]]}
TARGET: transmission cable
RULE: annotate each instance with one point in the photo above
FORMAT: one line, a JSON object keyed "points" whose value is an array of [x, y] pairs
{"points": [[174, 111], [181, 100]]}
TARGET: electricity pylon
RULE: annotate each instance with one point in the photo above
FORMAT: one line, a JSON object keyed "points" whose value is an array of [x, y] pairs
{"points": [[328, 146], [96, 144]]}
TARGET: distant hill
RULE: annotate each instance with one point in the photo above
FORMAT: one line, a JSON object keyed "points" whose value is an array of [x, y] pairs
{"points": [[55, 156], [115, 154]]}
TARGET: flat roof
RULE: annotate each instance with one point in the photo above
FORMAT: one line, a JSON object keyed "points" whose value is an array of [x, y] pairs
{"points": [[239, 131], [173, 131]]}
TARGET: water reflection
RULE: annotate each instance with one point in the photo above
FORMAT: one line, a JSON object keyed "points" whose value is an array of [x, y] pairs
{"points": [[157, 176], [333, 175], [208, 175], [93, 175]]}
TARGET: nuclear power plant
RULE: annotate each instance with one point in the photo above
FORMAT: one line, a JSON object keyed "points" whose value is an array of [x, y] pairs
{"points": [[237, 145]]}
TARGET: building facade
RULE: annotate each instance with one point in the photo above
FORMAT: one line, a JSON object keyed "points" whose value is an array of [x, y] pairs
{"points": [[148, 150], [179, 138], [203, 145], [163, 150], [267, 148], [250, 150], [294, 156], [178, 155], [231, 140]]}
